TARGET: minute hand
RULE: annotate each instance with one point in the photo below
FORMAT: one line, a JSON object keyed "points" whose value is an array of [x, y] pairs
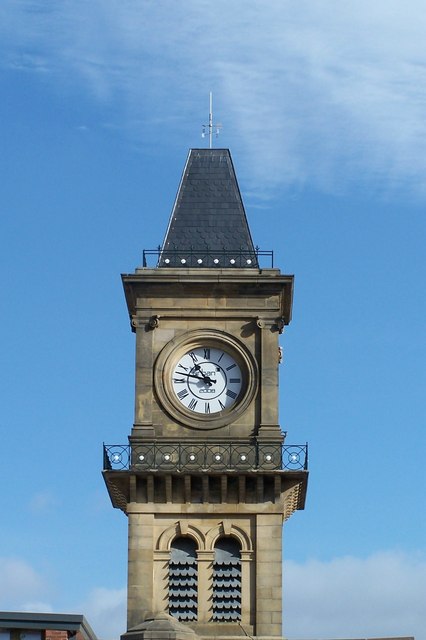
{"points": [[205, 379]]}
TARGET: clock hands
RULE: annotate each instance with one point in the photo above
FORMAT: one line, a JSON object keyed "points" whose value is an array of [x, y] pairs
{"points": [[206, 379]]}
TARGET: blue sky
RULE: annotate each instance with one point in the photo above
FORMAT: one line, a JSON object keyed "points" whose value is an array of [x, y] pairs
{"points": [[323, 107]]}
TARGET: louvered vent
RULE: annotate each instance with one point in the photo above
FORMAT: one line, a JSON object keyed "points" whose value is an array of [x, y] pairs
{"points": [[227, 581], [183, 580]]}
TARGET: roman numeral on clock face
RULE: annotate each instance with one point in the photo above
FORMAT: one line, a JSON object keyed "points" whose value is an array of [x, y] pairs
{"points": [[192, 404], [231, 394], [182, 394], [206, 354]]}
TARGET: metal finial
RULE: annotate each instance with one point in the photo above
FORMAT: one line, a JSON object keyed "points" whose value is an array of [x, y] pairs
{"points": [[211, 126]]}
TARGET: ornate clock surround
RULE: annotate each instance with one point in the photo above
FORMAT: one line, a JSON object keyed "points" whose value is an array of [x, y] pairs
{"points": [[164, 369]]}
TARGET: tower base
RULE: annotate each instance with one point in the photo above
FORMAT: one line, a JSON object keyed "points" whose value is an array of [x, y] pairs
{"points": [[160, 626]]}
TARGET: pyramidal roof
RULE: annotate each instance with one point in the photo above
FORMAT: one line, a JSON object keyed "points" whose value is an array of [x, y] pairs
{"points": [[208, 225]]}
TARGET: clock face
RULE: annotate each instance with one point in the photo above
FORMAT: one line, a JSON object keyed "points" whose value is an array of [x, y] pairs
{"points": [[207, 380]]}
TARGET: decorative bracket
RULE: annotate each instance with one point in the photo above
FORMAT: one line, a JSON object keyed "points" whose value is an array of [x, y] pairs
{"points": [[280, 325], [153, 322]]}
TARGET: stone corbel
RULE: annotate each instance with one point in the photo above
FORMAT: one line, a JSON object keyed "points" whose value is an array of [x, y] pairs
{"points": [[136, 322], [153, 322], [280, 325]]}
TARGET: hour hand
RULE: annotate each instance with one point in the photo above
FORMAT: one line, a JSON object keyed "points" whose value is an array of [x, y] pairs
{"points": [[207, 380]]}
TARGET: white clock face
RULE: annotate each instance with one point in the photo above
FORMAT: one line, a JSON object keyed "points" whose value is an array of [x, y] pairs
{"points": [[207, 380]]}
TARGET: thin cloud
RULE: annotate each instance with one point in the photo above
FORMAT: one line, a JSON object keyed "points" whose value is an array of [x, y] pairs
{"points": [[19, 583], [43, 502], [324, 95], [105, 609], [382, 595], [23, 588], [37, 607]]}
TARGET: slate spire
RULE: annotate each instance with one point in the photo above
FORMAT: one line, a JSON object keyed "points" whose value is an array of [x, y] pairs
{"points": [[208, 225]]}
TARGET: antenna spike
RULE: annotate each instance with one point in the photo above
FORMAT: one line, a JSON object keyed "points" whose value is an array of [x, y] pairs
{"points": [[210, 126], [211, 120]]}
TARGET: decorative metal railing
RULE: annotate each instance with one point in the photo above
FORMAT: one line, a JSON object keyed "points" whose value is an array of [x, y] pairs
{"points": [[171, 457], [204, 257]]}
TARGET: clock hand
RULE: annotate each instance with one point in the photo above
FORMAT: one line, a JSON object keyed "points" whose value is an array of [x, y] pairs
{"points": [[206, 379], [191, 375]]}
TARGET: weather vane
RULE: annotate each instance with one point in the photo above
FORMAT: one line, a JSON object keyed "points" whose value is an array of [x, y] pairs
{"points": [[211, 126]]}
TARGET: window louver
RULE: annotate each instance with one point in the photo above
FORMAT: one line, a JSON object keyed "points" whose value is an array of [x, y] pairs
{"points": [[227, 582], [183, 578]]}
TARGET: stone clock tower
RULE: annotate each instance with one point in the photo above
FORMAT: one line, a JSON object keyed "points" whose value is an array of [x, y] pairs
{"points": [[206, 479]]}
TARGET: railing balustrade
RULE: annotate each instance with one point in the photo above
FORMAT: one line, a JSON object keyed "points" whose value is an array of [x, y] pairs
{"points": [[154, 456], [204, 257]]}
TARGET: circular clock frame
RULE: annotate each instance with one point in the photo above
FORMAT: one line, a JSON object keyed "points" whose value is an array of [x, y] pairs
{"points": [[167, 389]]}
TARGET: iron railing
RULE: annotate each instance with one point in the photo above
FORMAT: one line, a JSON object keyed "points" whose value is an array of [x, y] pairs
{"points": [[171, 457], [201, 258]]}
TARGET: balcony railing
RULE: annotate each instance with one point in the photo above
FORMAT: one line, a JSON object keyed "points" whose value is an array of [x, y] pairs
{"points": [[179, 457], [210, 258]]}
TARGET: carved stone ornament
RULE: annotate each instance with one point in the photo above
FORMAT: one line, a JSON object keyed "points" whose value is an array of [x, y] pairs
{"points": [[153, 322]]}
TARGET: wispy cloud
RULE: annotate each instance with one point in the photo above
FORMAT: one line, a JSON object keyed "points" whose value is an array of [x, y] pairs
{"points": [[382, 595], [319, 94], [19, 583], [24, 588], [105, 609], [42, 502], [37, 606]]}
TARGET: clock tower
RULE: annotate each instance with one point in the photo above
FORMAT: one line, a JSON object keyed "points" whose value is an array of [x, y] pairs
{"points": [[206, 478]]}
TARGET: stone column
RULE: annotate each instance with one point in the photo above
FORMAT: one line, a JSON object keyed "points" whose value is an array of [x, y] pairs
{"points": [[140, 568], [205, 572], [161, 581], [143, 380], [247, 588], [268, 575], [269, 356]]}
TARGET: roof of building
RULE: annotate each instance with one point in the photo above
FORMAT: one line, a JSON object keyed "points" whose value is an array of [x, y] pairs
{"points": [[74, 623], [208, 225]]}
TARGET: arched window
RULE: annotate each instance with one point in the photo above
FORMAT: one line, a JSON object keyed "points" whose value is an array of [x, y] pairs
{"points": [[227, 580], [183, 579]]}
